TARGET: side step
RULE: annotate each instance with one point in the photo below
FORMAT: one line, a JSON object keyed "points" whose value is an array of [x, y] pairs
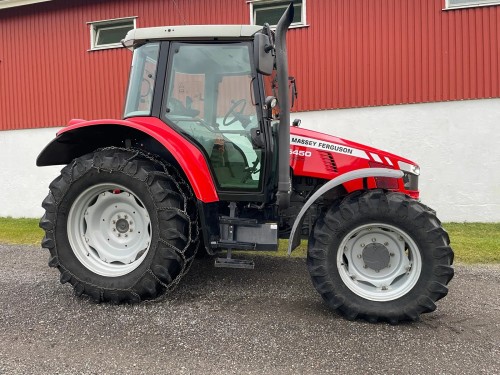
{"points": [[243, 234], [229, 262], [234, 263]]}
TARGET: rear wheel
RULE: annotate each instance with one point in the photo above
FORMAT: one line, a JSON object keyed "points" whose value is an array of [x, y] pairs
{"points": [[380, 256], [120, 225]]}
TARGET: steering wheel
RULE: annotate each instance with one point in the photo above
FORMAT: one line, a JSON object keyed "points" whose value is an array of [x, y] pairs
{"points": [[236, 110], [146, 90]]}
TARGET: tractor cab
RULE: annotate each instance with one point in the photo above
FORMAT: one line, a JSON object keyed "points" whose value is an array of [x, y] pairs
{"points": [[210, 89]]}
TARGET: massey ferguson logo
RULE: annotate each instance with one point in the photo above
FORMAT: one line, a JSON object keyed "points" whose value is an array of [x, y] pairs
{"points": [[320, 145]]}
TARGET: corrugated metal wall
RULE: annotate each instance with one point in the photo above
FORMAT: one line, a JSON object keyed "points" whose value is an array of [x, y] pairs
{"points": [[360, 53], [47, 76], [354, 53]]}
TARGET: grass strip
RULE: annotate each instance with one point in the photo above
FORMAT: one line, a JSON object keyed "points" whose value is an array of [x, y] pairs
{"points": [[472, 242], [20, 231]]}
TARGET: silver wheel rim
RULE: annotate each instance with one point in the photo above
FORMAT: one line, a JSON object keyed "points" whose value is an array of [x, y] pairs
{"points": [[379, 262], [109, 230]]}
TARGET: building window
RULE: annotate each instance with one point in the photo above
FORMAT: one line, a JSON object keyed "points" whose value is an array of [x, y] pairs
{"points": [[109, 33], [270, 11], [454, 4], [18, 3]]}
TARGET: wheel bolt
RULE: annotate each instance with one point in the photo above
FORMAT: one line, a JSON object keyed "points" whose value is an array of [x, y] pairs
{"points": [[130, 222], [374, 240], [131, 230], [126, 217], [359, 256], [365, 266], [362, 245], [391, 254], [386, 243], [384, 288], [114, 222], [119, 235], [126, 235], [114, 229]]}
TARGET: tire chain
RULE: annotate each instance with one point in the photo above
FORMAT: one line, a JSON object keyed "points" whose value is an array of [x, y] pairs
{"points": [[183, 189]]}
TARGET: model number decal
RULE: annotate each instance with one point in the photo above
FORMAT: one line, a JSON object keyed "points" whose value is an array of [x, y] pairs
{"points": [[301, 153]]}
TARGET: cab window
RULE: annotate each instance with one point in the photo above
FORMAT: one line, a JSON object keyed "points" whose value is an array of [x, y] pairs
{"points": [[209, 98]]}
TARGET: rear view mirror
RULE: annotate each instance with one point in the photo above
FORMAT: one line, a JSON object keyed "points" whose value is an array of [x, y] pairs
{"points": [[264, 58]]}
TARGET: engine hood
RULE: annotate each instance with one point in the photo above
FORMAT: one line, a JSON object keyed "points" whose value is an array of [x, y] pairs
{"points": [[326, 142]]}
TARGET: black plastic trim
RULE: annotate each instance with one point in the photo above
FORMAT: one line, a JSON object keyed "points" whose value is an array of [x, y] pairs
{"points": [[161, 73]]}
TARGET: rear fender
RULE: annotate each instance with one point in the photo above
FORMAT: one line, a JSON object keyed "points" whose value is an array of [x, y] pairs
{"points": [[149, 133], [294, 239]]}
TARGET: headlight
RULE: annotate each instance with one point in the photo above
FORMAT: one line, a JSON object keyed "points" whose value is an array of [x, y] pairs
{"points": [[410, 168]]}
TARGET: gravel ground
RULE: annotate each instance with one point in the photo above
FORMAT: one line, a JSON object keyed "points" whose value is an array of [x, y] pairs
{"points": [[221, 321]]}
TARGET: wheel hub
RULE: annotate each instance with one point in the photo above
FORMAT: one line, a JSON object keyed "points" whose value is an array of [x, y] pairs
{"points": [[376, 256], [122, 226]]}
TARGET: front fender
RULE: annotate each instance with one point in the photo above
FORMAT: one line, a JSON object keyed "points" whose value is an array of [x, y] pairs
{"points": [[82, 137], [294, 240]]}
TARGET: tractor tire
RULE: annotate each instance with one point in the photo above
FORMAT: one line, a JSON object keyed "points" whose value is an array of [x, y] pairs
{"points": [[120, 225], [380, 256]]}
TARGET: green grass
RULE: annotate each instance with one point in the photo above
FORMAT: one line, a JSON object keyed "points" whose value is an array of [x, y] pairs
{"points": [[475, 242], [472, 242], [20, 231]]}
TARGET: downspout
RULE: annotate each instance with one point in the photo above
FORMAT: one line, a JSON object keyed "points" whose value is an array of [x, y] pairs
{"points": [[284, 187]]}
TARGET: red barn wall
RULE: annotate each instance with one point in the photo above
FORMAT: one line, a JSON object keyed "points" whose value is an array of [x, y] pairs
{"points": [[360, 53], [355, 53]]}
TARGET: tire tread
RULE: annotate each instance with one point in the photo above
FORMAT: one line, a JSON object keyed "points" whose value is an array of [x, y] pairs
{"points": [[371, 205], [178, 222]]}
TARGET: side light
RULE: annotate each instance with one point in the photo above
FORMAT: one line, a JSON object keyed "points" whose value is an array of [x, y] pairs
{"points": [[269, 104], [410, 168]]}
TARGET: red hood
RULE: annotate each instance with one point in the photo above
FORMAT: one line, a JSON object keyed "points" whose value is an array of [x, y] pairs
{"points": [[330, 138]]}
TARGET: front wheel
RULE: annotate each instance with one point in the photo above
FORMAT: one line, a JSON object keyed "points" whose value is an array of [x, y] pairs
{"points": [[121, 226], [380, 256]]}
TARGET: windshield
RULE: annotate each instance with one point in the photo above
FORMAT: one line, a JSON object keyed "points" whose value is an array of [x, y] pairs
{"points": [[209, 97], [142, 80]]}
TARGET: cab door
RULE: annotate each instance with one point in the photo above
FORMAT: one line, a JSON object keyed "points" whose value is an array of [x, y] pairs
{"points": [[212, 98]]}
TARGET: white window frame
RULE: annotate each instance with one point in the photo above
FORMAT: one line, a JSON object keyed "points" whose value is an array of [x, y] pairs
{"points": [[97, 26], [470, 4], [19, 3], [303, 22]]}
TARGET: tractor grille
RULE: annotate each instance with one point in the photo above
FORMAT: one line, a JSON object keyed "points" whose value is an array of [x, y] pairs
{"points": [[329, 161]]}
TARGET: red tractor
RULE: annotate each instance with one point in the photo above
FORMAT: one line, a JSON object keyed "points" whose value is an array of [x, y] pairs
{"points": [[205, 159]]}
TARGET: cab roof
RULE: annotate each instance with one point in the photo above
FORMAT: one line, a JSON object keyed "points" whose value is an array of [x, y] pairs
{"points": [[189, 32]]}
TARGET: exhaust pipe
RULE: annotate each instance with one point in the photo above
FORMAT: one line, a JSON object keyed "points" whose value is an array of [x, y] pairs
{"points": [[284, 186]]}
